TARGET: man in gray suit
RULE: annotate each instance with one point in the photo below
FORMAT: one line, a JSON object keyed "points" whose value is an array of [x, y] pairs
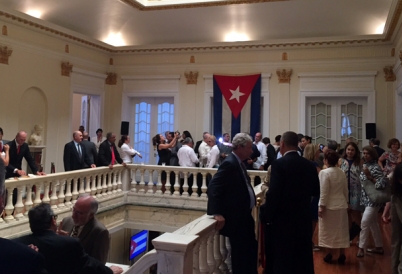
{"points": [[89, 147], [93, 235]]}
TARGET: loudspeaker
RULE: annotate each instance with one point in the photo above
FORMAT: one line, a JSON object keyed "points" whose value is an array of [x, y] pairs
{"points": [[124, 128], [371, 131]]}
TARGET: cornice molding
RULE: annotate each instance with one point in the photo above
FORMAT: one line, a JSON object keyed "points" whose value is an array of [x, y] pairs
{"points": [[66, 69], [284, 75], [5, 53], [389, 74], [191, 77], [111, 79]]}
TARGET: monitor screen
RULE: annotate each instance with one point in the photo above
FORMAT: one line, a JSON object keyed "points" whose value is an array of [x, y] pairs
{"points": [[138, 243]]}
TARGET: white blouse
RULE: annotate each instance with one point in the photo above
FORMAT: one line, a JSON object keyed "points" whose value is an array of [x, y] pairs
{"points": [[127, 153], [213, 157]]}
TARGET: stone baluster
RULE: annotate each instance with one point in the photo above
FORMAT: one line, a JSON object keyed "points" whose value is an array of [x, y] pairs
{"points": [[86, 182], [159, 184], [68, 195], [115, 176], [252, 180], [142, 182], [9, 207], [109, 183], [19, 206], [75, 190], [81, 182], [176, 184], [196, 258], [213, 267], [204, 185], [119, 178], [104, 184], [194, 187], [228, 260], [149, 185], [133, 180], [38, 189], [46, 198], [61, 196], [94, 190], [203, 255], [99, 189], [222, 250], [53, 197], [28, 199], [167, 184], [185, 184], [217, 253]]}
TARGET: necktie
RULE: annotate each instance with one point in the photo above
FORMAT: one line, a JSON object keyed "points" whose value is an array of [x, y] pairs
{"points": [[79, 151], [74, 233], [113, 157], [18, 149]]}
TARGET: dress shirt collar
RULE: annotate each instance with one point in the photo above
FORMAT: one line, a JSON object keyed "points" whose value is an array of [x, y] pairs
{"points": [[289, 151], [75, 143]]}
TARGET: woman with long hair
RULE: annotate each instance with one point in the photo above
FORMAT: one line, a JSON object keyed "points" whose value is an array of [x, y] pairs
{"points": [[312, 152], [127, 151], [372, 172], [163, 151], [351, 164], [333, 225]]}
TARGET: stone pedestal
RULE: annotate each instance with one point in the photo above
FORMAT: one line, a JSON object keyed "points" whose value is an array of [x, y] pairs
{"points": [[36, 152]]}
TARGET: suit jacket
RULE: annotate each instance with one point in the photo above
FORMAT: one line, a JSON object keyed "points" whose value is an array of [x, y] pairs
{"points": [[294, 181], [63, 255], [72, 160], [16, 159], [16, 258], [271, 155], [256, 153], [90, 148], [105, 154], [228, 196], [94, 237]]}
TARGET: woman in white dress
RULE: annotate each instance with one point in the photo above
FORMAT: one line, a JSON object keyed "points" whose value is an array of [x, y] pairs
{"points": [[98, 139], [333, 228], [213, 155], [127, 153]]}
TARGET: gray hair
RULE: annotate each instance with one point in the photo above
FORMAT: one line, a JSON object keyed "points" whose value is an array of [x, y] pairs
{"points": [[332, 145], [240, 140], [290, 139], [188, 140], [94, 204], [108, 135]]}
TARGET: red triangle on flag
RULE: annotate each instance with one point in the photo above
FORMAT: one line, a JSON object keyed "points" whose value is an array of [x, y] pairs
{"points": [[236, 90], [133, 247]]}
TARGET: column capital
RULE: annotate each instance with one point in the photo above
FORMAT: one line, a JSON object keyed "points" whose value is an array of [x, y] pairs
{"points": [[389, 74], [111, 78], [66, 69], [191, 77], [284, 75], [5, 52]]}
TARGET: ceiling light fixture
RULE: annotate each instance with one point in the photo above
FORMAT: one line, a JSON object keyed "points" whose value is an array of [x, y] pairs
{"points": [[34, 13], [380, 29], [115, 39], [236, 37]]}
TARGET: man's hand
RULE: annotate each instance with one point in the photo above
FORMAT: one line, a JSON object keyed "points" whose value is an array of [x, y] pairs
{"points": [[6, 148], [220, 222], [21, 172], [40, 173], [111, 166], [61, 232], [116, 269], [93, 166], [124, 164], [34, 247]]}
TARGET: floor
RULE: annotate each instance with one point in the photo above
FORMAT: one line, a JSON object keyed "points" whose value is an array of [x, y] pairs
{"points": [[369, 264]]}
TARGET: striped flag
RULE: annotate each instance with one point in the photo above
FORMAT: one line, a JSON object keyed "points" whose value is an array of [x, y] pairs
{"points": [[237, 104]]}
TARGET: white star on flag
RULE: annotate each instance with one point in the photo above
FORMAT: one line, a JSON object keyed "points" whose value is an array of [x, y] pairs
{"points": [[236, 94]]}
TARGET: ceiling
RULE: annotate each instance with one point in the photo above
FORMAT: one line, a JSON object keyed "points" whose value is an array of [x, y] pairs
{"points": [[144, 23]]}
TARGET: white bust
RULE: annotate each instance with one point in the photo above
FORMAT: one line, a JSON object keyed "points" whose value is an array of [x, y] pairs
{"points": [[36, 139]]}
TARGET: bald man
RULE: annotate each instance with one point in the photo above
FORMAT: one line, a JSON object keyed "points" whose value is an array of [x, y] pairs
{"points": [[75, 155], [93, 235]]}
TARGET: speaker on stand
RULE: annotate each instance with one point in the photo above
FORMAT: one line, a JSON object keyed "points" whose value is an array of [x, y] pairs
{"points": [[124, 128], [371, 131]]}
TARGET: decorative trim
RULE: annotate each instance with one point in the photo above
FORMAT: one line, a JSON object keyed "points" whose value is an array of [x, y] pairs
{"points": [[284, 75], [5, 52], [111, 78], [4, 30], [191, 77], [389, 74], [66, 69], [111, 61], [392, 52], [138, 6], [284, 56], [192, 59], [67, 49], [394, 21]]}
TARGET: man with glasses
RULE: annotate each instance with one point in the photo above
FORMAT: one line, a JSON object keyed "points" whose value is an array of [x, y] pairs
{"points": [[92, 234], [63, 255]]}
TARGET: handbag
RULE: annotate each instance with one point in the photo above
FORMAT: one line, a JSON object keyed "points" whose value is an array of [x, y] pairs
{"points": [[378, 196]]}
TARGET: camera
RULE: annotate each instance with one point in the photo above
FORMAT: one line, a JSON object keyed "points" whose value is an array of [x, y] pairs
{"points": [[321, 146]]}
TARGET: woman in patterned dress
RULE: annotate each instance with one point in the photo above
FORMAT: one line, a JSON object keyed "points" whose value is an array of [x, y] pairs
{"points": [[371, 171], [390, 157], [351, 164]]}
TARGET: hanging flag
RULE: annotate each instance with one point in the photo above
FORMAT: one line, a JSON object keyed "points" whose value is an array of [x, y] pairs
{"points": [[237, 104], [138, 243]]}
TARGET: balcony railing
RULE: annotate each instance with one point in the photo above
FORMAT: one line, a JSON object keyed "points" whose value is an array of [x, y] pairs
{"points": [[197, 240]]}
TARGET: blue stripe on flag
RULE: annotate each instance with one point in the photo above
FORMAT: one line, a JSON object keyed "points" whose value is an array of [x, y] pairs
{"points": [[217, 110], [255, 118], [235, 125]]}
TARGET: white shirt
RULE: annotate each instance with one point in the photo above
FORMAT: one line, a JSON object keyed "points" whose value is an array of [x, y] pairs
{"points": [[213, 157], [187, 156], [127, 153], [263, 155], [203, 151], [95, 141]]}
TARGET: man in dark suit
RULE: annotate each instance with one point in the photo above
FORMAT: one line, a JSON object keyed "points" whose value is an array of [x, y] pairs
{"points": [[75, 155], [15, 257], [90, 148], [93, 235], [63, 255], [271, 154], [19, 150], [108, 154], [230, 200], [375, 143], [287, 212]]}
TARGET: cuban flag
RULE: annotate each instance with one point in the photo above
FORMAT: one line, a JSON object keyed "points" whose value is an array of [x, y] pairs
{"points": [[138, 244], [237, 104]]}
